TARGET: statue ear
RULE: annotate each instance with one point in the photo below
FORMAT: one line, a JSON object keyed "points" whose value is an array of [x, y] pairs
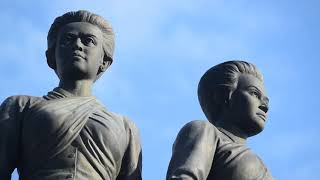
{"points": [[104, 66], [227, 98], [51, 60], [222, 98]]}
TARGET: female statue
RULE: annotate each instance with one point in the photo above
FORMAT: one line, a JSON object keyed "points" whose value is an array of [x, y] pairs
{"points": [[68, 133], [234, 100]]}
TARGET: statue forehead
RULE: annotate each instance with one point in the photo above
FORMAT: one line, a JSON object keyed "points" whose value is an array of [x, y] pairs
{"points": [[81, 27], [246, 80]]}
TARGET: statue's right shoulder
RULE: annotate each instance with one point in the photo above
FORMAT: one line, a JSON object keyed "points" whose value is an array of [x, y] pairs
{"points": [[17, 101]]}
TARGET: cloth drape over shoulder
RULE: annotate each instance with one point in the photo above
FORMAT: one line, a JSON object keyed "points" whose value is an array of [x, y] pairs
{"points": [[61, 136]]}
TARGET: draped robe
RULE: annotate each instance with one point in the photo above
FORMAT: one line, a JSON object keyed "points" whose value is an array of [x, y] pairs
{"points": [[60, 136]]}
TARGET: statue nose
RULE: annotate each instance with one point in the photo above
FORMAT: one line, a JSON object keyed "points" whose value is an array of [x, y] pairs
{"points": [[77, 45], [264, 108], [264, 104]]}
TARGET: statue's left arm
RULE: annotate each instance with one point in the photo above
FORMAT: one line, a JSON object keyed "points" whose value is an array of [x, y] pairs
{"points": [[131, 166]]}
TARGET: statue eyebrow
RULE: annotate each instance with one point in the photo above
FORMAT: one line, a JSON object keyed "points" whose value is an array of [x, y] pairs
{"points": [[264, 97], [252, 86], [69, 33], [80, 34], [88, 35]]}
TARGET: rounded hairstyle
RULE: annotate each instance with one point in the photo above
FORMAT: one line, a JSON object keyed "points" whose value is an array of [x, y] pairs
{"points": [[80, 16], [219, 82]]}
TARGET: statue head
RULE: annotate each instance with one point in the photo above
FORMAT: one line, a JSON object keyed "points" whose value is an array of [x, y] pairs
{"points": [[234, 91], [86, 21]]}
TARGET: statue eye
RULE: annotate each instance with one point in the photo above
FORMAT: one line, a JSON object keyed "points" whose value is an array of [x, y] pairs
{"points": [[67, 39], [255, 93], [89, 41]]}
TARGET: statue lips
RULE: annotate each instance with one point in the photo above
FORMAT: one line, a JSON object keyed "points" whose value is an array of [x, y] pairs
{"points": [[263, 116], [77, 55]]}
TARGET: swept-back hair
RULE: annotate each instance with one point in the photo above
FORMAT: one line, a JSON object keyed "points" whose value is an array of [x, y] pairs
{"points": [[219, 82]]}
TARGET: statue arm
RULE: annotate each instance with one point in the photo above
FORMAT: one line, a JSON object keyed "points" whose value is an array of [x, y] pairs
{"points": [[9, 137], [193, 152], [131, 166]]}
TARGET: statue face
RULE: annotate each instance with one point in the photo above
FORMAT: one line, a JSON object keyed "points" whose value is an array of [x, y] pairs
{"points": [[249, 105], [79, 52]]}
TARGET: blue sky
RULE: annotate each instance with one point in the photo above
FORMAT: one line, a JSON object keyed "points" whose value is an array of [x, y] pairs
{"points": [[162, 49]]}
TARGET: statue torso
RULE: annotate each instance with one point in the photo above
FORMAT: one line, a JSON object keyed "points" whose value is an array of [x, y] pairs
{"points": [[70, 138], [235, 161]]}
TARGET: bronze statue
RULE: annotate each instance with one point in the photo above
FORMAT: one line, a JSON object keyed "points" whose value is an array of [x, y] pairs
{"points": [[68, 133], [234, 100]]}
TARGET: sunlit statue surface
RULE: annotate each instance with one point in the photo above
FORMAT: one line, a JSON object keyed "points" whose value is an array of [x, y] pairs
{"points": [[68, 133], [234, 100]]}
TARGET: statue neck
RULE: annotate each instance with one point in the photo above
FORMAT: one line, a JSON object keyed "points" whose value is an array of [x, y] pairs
{"points": [[78, 87], [235, 133]]}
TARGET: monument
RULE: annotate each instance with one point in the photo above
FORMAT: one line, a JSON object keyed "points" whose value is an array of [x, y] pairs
{"points": [[233, 98], [68, 133]]}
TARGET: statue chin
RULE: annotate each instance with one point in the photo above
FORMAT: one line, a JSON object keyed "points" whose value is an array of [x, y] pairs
{"points": [[253, 129]]}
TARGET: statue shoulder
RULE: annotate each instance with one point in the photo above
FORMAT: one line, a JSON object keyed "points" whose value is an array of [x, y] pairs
{"points": [[197, 131], [129, 124], [14, 106], [126, 121], [199, 125], [17, 101]]}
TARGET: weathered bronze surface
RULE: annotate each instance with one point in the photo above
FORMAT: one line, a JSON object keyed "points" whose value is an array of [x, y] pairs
{"points": [[68, 133], [234, 100]]}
